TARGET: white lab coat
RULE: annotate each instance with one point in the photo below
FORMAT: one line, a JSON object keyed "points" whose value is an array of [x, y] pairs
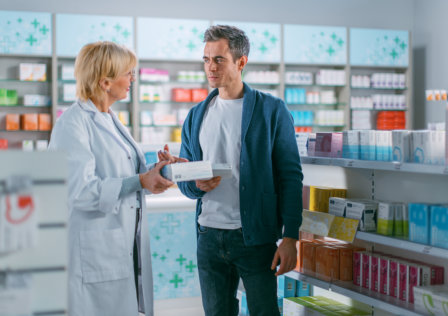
{"points": [[101, 226]]}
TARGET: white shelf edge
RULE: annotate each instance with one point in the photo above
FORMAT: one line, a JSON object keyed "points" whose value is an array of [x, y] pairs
{"points": [[403, 244], [360, 294], [376, 165]]}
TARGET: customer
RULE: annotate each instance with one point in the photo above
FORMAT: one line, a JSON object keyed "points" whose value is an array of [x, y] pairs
{"points": [[241, 218], [109, 270]]}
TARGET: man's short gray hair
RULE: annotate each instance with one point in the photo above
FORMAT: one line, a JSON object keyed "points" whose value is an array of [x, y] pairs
{"points": [[238, 41]]}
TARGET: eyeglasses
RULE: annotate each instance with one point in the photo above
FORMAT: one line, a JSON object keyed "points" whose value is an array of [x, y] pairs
{"points": [[131, 73]]}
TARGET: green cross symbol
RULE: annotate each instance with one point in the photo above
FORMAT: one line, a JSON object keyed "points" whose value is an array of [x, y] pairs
{"points": [[126, 33], [35, 23], [157, 237], [103, 24], [170, 223], [117, 27], [397, 40], [263, 48], [194, 30], [322, 33], [403, 45], [274, 39], [18, 20], [44, 29], [31, 40], [163, 258], [155, 254], [330, 51], [17, 34], [266, 33], [181, 27], [160, 275], [190, 266], [191, 46], [9, 22], [181, 260], [334, 36], [340, 42], [176, 280], [394, 54]]}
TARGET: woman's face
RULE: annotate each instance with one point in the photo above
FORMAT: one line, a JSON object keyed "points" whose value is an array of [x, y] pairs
{"points": [[119, 88]]}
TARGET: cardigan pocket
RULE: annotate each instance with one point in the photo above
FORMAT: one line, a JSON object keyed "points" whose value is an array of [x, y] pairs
{"points": [[269, 209]]}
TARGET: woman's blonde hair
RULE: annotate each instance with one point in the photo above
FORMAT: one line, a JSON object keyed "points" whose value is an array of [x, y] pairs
{"points": [[97, 61]]}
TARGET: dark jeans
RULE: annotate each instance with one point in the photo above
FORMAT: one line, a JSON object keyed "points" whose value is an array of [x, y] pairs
{"points": [[222, 260]]}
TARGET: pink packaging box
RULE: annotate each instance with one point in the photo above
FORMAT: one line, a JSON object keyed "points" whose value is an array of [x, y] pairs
{"points": [[357, 267], [329, 145], [393, 277], [414, 279], [383, 282], [403, 281], [374, 273], [365, 273]]}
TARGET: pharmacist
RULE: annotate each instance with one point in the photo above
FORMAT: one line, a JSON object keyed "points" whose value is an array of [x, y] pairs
{"points": [[109, 263]]}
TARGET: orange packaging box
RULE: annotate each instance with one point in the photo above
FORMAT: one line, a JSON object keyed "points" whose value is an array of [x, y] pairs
{"points": [[198, 95], [300, 254], [29, 121], [181, 95], [346, 264], [3, 143], [327, 262], [309, 257], [12, 122], [44, 120]]}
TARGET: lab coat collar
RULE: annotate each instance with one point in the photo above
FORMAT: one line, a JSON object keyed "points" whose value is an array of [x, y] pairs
{"points": [[102, 122]]}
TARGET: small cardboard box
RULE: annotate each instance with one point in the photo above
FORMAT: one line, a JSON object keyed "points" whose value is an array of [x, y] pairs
{"points": [[188, 171], [29, 121]]}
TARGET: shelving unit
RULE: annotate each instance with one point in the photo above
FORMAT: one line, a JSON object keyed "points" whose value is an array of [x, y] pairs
{"points": [[382, 181], [358, 293]]}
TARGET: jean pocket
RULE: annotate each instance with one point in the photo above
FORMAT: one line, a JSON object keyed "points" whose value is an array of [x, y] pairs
{"points": [[202, 229]]}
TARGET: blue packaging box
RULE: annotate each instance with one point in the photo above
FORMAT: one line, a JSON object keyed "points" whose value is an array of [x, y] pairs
{"points": [[439, 226], [302, 289], [286, 287], [419, 219]]}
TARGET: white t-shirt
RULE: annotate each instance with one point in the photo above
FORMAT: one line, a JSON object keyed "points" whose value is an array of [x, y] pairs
{"points": [[220, 140]]}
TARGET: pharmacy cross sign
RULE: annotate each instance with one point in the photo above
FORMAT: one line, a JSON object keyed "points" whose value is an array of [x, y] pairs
{"points": [[44, 30], [263, 48], [31, 40], [176, 280], [35, 23], [170, 224], [191, 46], [181, 260], [330, 51], [126, 33], [190, 266]]}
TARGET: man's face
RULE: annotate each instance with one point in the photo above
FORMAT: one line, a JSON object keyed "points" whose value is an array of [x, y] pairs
{"points": [[220, 68]]}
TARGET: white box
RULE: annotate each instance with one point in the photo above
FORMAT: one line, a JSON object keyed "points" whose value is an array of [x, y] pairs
{"points": [[41, 145], [67, 72], [336, 206], [364, 211], [36, 100], [188, 171], [146, 118], [367, 141], [401, 146], [26, 72], [69, 92], [302, 140], [39, 72], [420, 149], [222, 170], [27, 145], [431, 300]]}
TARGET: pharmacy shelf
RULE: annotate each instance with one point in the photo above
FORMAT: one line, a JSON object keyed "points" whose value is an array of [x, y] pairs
{"points": [[263, 83], [24, 81], [167, 102], [171, 82], [21, 106], [22, 131], [376, 165], [161, 125], [374, 88], [316, 85], [384, 302], [402, 244], [367, 109], [316, 104]]}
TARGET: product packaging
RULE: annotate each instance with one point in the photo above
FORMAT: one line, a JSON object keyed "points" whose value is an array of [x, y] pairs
{"points": [[286, 287], [431, 300], [386, 214], [44, 122], [12, 122], [419, 223], [367, 139], [337, 206], [364, 211], [383, 281], [350, 144], [439, 226], [187, 171], [29, 121]]}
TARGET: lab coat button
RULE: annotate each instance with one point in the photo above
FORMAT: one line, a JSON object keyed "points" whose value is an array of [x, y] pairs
{"points": [[129, 157]]}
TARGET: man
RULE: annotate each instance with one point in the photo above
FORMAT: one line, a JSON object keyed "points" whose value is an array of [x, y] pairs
{"points": [[240, 219]]}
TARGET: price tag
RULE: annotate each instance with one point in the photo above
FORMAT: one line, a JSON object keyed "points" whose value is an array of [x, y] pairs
{"points": [[350, 163], [445, 171], [397, 166], [313, 161], [427, 249]]}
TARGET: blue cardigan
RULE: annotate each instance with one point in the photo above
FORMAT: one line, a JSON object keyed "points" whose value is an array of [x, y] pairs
{"points": [[270, 171]]}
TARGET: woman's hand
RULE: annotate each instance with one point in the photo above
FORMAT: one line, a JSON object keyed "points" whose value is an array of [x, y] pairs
{"points": [[165, 155], [153, 181]]}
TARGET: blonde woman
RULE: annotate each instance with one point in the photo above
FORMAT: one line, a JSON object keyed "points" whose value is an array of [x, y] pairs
{"points": [[109, 256]]}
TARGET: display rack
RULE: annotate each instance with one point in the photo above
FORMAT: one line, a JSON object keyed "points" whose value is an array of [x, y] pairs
{"points": [[383, 302], [46, 263], [382, 181]]}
